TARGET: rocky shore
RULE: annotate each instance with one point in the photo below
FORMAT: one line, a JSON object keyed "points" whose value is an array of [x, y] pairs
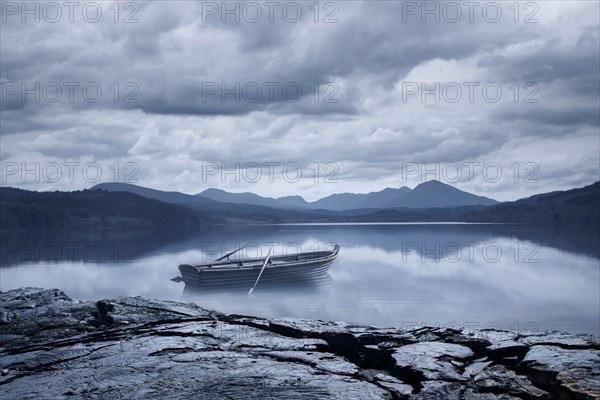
{"points": [[54, 347]]}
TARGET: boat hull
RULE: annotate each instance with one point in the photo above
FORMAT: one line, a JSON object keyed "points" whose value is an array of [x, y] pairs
{"points": [[305, 266]]}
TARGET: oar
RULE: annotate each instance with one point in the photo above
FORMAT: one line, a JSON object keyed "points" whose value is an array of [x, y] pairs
{"points": [[261, 271], [229, 254]]}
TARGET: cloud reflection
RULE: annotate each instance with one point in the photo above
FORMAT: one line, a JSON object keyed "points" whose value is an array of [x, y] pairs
{"points": [[378, 279]]}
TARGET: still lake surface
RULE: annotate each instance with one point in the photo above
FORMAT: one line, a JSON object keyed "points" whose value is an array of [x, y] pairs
{"points": [[474, 275]]}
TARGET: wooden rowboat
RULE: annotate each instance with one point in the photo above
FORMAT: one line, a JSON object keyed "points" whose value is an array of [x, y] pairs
{"points": [[274, 269]]}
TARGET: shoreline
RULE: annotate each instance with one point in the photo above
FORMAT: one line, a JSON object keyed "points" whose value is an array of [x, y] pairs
{"points": [[55, 347]]}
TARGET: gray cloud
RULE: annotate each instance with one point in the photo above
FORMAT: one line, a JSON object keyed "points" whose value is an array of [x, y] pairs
{"points": [[165, 63]]}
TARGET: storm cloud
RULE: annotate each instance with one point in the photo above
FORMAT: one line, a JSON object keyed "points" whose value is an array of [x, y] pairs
{"points": [[370, 94]]}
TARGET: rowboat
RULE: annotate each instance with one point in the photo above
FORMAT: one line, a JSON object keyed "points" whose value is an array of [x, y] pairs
{"points": [[271, 269]]}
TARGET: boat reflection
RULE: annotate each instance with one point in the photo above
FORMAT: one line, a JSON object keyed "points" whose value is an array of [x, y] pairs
{"points": [[289, 287]]}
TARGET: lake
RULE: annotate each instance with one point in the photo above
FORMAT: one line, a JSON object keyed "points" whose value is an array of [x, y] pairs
{"points": [[405, 275]]}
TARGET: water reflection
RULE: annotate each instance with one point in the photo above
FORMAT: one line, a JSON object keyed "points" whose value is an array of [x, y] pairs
{"points": [[400, 275], [305, 285]]}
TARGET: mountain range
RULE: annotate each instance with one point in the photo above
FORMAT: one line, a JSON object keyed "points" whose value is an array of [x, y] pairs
{"points": [[429, 201], [429, 194], [121, 206]]}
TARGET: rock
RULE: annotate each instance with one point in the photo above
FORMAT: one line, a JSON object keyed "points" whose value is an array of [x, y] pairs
{"points": [[435, 390], [498, 379], [476, 367], [571, 373], [393, 384], [471, 394], [564, 340], [430, 361], [507, 352], [322, 362], [103, 307], [4, 317], [476, 344], [495, 336], [159, 349]]}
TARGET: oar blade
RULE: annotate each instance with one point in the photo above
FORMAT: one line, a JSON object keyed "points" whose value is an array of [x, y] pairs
{"points": [[261, 271]]}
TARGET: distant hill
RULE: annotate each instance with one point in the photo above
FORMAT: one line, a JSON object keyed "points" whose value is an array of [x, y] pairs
{"points": [[168, 197], [253, 199], [426, 195], [383, 198], [227, 211], [571, 207], [434, 193], [93, 209], [292, 201], [575, 206], [117, 206], [350, 201]]}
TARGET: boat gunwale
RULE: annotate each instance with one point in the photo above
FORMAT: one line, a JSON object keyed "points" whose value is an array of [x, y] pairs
{"points": [[233, 265]]}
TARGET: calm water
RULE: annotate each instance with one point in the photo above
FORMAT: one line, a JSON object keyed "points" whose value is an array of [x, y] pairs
{"points": [[512, 277]]}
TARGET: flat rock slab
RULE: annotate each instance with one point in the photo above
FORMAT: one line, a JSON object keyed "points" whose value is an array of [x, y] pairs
{"points": [[432, 360], [571, 371], [53, 347]]}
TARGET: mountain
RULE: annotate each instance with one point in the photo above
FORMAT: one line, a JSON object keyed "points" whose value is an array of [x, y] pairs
{"points": [[335, 202], [571, 207], [383, 198], [94, 209], [253, 199], [435, 194], [229, 212], [168, 197], [426, 195], [338, 201], [350, 201], [293, 201], [429, 201], [575, 206], [117, 206]]}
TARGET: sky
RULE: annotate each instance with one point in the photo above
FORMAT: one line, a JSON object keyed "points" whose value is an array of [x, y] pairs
{"points": [[500, 99]]}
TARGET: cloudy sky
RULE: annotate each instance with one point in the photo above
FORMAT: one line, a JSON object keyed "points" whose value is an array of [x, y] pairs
{"points": [[310, 98]]}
